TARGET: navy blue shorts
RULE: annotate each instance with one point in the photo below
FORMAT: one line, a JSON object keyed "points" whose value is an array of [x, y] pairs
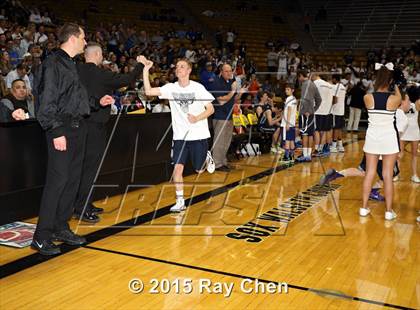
{"points": [[307, 125], [323, 122], [195, 150], [289, 135], [338, 121]]}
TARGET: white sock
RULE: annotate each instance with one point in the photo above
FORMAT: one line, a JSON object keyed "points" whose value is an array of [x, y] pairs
{"points": [[317, 147], [334, 144], [180, 196], [340, 143], [309, 152], [305, 152]]}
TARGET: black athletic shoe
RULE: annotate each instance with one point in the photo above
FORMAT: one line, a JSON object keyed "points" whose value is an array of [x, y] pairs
{"points": [[69, 237], [95, 210], [45, 247], [87, 217]]}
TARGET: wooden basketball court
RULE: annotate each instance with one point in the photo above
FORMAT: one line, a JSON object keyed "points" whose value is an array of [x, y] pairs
{"points": [[261, 223]]}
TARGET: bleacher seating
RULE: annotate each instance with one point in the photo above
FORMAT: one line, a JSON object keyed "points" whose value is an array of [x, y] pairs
{"points": [[365, 23], [254, 29]]}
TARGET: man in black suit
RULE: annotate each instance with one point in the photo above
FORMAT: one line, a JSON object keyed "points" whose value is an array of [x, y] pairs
{"points": [[98, 82]]}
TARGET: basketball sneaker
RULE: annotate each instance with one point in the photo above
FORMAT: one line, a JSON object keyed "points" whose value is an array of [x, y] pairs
{"points": [[364, 211], [303, 159], [179, 206], [211, 166], [374, 195], [330, 175], [340, 148], [333, 149], [415, 179], [390, 215]]}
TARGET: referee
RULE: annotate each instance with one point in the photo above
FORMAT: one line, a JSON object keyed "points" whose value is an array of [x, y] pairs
{"points": [[99, 82]]}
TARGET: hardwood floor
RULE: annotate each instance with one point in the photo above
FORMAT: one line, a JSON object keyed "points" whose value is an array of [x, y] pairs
{"points": [[254, 223]]}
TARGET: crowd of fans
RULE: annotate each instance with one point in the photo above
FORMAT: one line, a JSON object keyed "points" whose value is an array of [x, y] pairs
{"points": [[27, 37]]}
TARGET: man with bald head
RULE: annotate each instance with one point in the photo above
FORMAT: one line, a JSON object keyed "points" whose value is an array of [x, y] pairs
{"points": [[225, 90], [98, 82]]}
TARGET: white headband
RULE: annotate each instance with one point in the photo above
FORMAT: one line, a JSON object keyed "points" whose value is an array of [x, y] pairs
{"points": [[389, 66]]}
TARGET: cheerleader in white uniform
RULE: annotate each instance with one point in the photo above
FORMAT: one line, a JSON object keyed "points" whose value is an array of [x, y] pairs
{"points": [[412, 132], [381, 137]]}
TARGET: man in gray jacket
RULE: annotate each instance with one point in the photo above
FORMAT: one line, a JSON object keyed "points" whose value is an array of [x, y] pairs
{"points": [[309, 103]]}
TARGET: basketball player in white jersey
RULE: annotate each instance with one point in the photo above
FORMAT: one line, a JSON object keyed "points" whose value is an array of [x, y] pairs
{"points": [[191, 105], [323, 117], [338, 107], [412, 133]]}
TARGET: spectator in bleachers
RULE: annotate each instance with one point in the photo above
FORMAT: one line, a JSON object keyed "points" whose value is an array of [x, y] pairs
{"points": [[12, 50], [346, 81], [191, 54], [336, 70], [5, 64], [17, 105], [26, 42], [266, 86], [414, 76], [19, 73], [230, 40], [3, 89], [270, 43], [254, 86], [278, 89], [46, 20], [282, 65], [48, 50], [272, 60], [207, 76], [246, 104], [219, 37], [371, 58], [367, 82], [35, 16], [292, 76], [2, 41], [3, 26], [348, 57], [251, 68], [40, 37]]}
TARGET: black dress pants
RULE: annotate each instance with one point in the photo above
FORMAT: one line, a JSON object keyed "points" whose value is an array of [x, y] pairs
{"points": [[94, 150], [62, 182]]}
